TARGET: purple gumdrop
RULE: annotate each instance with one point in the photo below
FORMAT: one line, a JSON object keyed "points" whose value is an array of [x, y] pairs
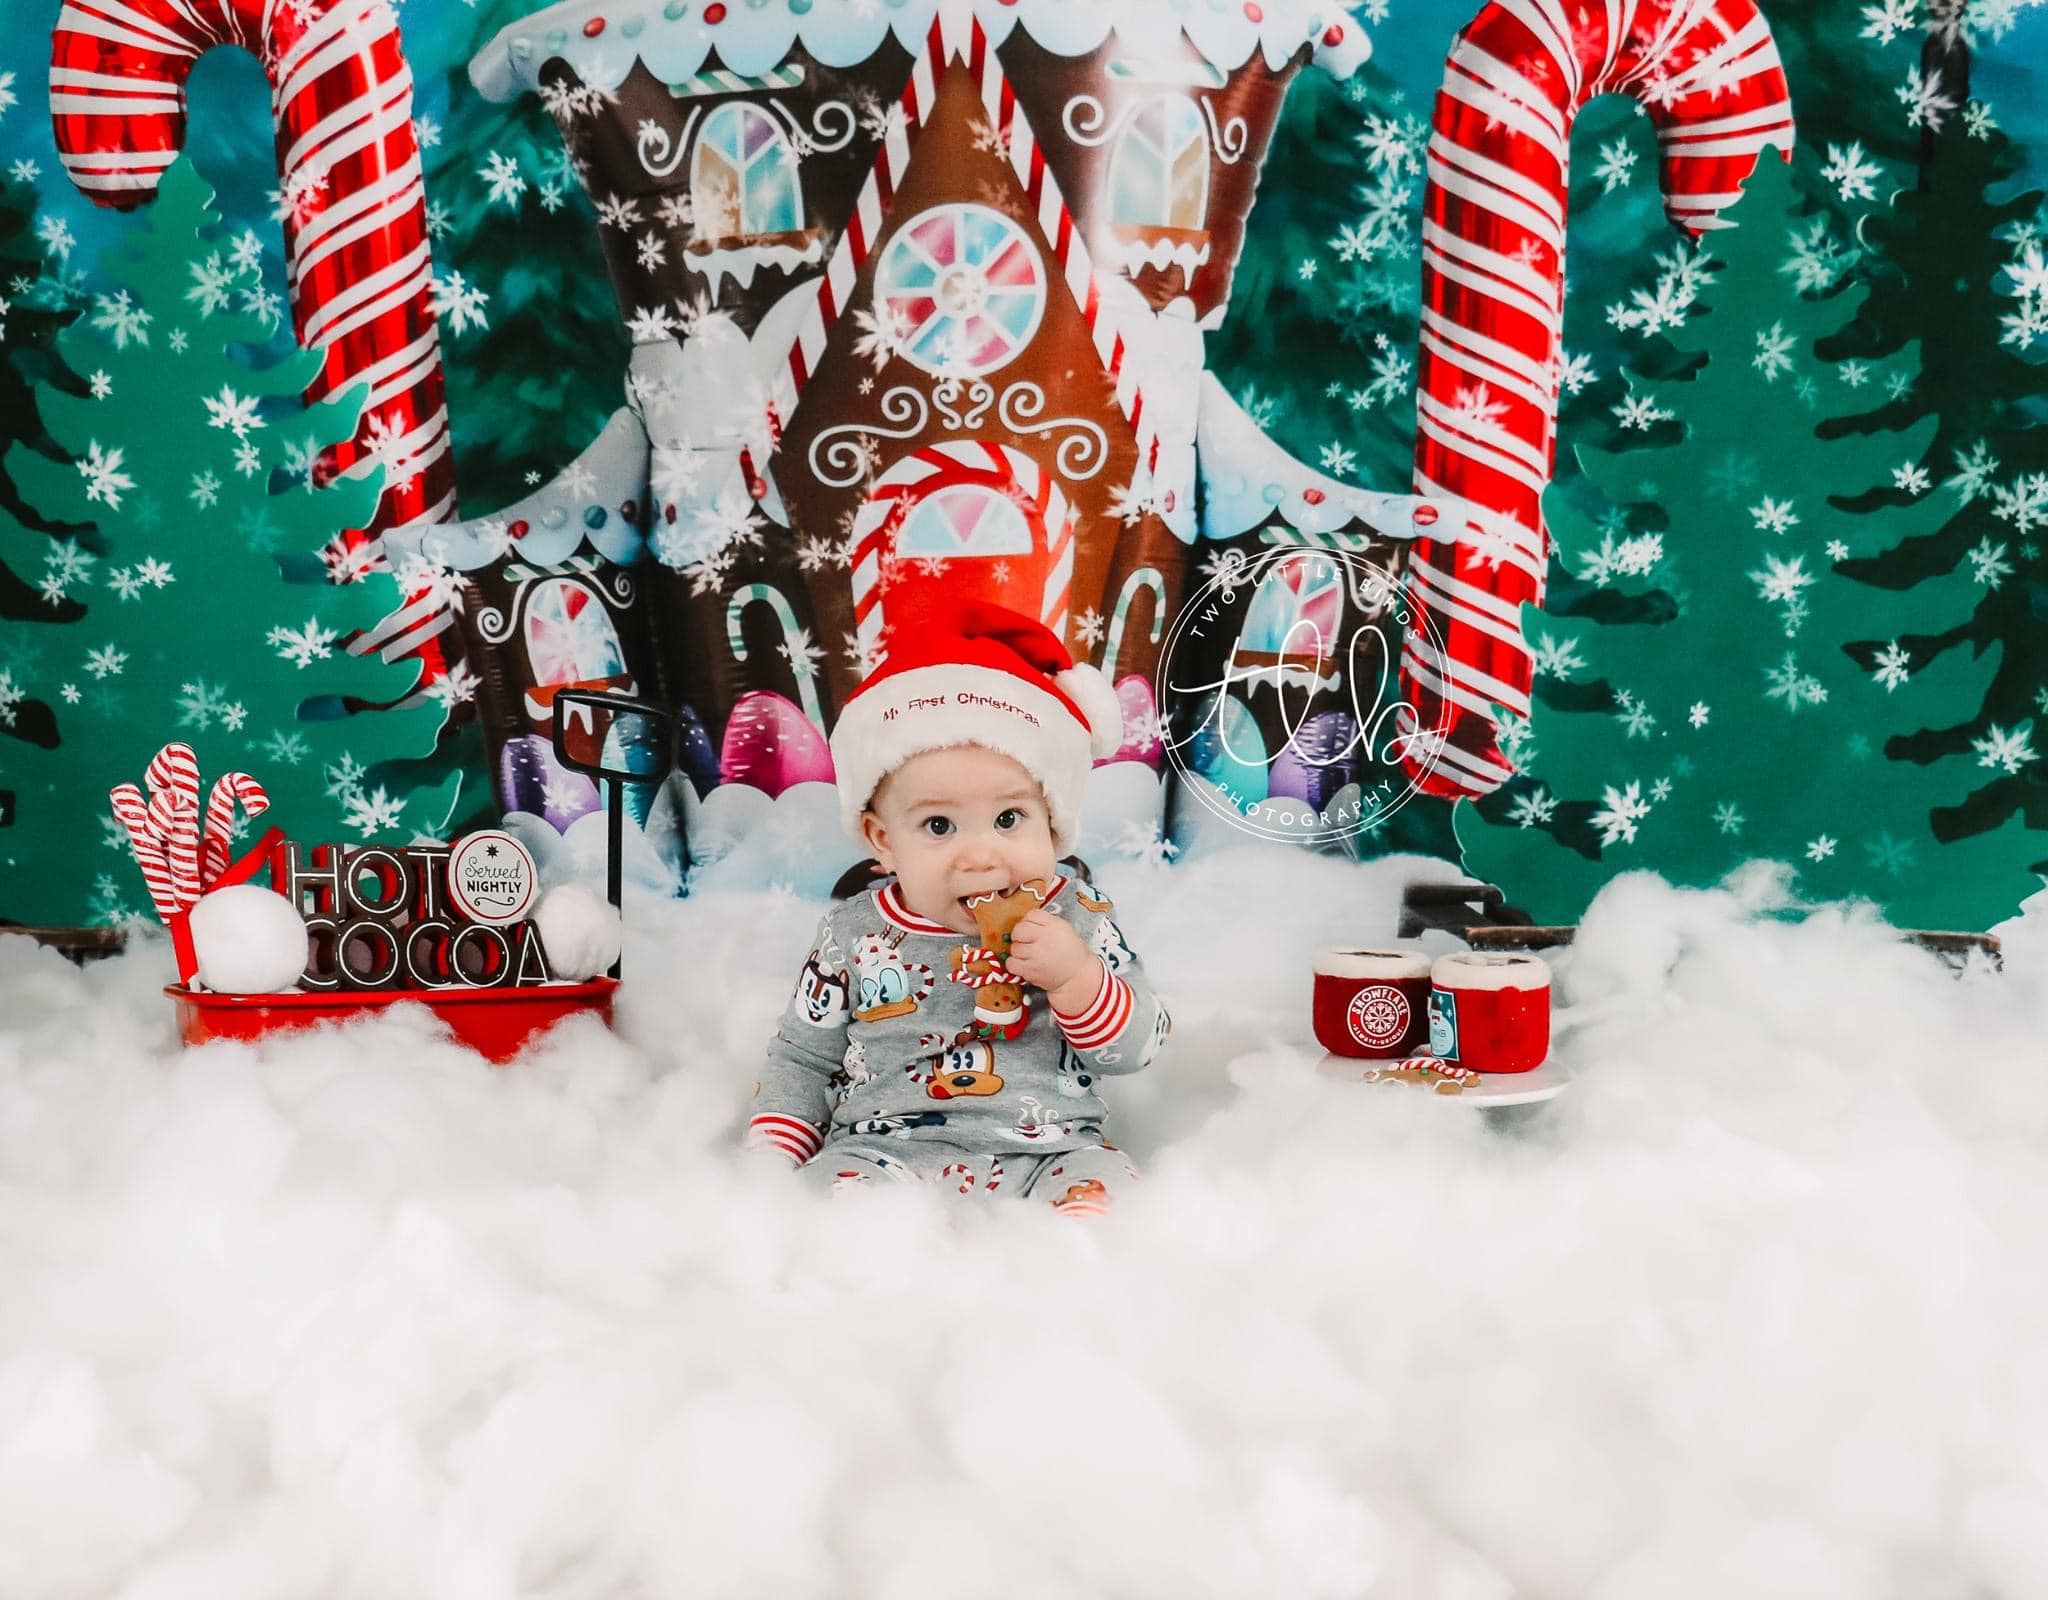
{"points": [[1320, 759], [569, 794]]}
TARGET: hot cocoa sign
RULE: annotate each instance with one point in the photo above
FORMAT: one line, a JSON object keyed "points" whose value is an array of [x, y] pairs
{"points": [[417, 917]]}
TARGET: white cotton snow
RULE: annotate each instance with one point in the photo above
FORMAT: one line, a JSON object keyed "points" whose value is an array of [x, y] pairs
{"points": [[579, 930], [1757, 1308]]}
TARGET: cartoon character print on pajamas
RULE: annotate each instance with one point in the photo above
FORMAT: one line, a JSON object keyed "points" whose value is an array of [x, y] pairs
{"points": [[822, 992], [1107, 941], [886, 985]]}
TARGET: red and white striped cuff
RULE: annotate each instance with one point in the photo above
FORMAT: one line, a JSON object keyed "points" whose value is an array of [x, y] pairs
{"points": [[789, 1136], [1104, 1019]]}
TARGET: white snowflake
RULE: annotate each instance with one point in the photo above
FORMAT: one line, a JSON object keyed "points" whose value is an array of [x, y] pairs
{"points": [[1854, 177], [205, 490], [157, 574], [1532, 807], [1781, 581], [1617, 166], [1728, 817], [1773, 516], [106, 662], [1821, 848], [501, 173], [102, 385], [121, 319], [248, 458], [1090, 628], [1972, 479], [1818, 258], [231, 410], [1978, 120], [1574, 372], [1886, 20], [104, 479], [1788, 682], [460, 302], [1142, 841], [1638, 412], [457, 686], [1892, 666], [1698, 713], [303, 646], [67, 561], [384, 442], [124, 582], [1911, 477], [345, 777], [651, 324], [1773, 352], [1923, 97], [2006, 749], [1556, 658], [1636, 719], [371, 813], [1988, 564], [11, 696], [1621, 809], [2024, 504], [650, 252], [202, 704]]}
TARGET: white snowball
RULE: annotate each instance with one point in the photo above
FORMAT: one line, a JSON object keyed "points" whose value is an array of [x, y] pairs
{"points": [[579, 930], [249, 939]]}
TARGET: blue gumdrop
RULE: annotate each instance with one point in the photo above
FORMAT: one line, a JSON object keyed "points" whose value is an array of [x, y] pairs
{"points": [[595, 518]]}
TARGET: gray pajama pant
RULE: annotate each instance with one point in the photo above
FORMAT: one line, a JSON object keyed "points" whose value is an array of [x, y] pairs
{"points": [[1081, 1181]]}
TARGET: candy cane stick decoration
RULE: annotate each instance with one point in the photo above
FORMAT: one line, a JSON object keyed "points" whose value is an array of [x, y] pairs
{"points": [[1493, 235], [355, 206], [230, 789], [792, 634], [1143, 578]]}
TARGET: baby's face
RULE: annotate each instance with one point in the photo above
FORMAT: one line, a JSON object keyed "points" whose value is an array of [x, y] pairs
{"points": [[959, 822]]}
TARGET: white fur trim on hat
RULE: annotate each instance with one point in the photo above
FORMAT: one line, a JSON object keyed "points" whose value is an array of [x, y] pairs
{"points": [[1090, 690], [930, 708]]}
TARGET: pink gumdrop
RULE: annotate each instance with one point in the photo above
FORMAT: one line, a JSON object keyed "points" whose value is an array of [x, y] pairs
{"points": [[771, 744], [1141, 723]]}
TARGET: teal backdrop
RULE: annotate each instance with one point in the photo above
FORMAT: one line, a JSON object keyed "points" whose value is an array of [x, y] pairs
{"points": [[1798, 605]]}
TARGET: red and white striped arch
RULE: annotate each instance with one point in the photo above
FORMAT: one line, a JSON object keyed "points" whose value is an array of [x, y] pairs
{"points": [[975, 462], [957, 37]]}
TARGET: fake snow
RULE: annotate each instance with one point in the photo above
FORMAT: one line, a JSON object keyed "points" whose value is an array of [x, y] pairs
{"points": [[1756, 1308]]}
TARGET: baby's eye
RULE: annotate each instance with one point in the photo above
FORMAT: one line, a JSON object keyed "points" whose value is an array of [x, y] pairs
{"points": [[1009, 819], [938, 827]]}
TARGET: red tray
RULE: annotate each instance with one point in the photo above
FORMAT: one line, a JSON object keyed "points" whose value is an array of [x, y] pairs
{"points": [[494, 1022]]}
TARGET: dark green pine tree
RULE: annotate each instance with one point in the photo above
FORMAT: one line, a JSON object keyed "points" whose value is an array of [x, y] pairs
{"points": [[1949, 265], [37, 552], [1738, 716], [538, 364]]}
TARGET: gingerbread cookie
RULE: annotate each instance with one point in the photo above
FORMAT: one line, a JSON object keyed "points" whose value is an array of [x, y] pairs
{"points": [[999, 1008]]}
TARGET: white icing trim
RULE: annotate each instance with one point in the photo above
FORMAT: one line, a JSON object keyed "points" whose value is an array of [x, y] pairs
{"points": [[741, 261], [1129, 255], [838, 33]]}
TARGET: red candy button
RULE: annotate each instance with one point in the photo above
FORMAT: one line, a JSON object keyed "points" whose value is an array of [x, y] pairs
{"points": [[593, 27]]}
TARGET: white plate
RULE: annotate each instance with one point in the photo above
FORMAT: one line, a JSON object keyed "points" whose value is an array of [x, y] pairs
{"points": [[1546, 1082]]}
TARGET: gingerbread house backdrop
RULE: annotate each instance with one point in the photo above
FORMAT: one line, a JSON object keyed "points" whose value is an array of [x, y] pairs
{"points": [[917, 298]]}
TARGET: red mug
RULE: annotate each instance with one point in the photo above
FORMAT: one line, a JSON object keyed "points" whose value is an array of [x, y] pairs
{"points": [[1372, 1003], [1490, 1011]]}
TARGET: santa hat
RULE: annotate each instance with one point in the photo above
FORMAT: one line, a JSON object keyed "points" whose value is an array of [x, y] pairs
{"points": [[975, 673]]}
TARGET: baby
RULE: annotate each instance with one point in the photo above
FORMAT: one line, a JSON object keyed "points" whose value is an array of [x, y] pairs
{"points": [[951, 1022]]}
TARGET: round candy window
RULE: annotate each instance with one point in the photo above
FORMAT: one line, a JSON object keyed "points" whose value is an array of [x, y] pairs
{"points": [[962, 289]]}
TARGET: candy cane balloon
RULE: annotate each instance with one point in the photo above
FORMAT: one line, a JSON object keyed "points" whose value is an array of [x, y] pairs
{"points": [[1493, 236], [349, 173]]}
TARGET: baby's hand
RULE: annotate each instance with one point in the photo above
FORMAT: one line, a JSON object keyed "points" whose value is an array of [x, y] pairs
{"points": [[1047, 952]]}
